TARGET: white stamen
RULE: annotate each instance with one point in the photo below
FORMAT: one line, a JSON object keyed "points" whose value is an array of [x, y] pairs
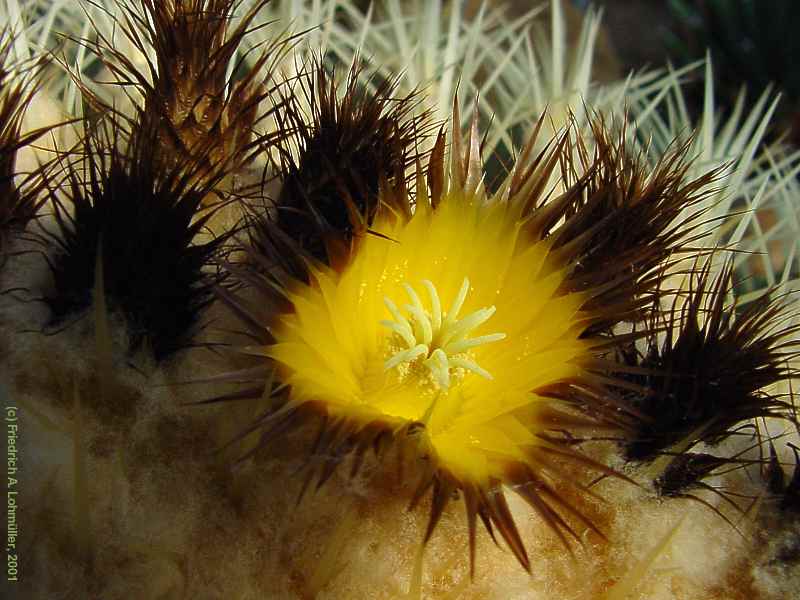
{"points": [[436, 305], [458, 330], [422, 320], [464, 345], [470, 365], [438, 336], [458, 302], [400, 324], [406, 356]]}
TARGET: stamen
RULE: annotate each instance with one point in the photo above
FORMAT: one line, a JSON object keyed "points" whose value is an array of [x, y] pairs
{"points": [[464, 345], [440, 368], [470, 365], [459, 301], [437, 336], [436, 305], [406, 356], [461, 328]]}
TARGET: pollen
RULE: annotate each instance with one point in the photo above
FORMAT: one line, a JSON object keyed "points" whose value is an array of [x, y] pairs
{"points": [[439, 339]]}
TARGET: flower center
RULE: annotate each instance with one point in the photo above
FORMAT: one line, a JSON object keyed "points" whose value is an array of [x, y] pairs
{"points": [[440, 338]]}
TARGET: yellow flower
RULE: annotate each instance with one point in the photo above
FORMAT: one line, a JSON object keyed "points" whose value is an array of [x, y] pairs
{"points": [[477, 329], [451, 318]]}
